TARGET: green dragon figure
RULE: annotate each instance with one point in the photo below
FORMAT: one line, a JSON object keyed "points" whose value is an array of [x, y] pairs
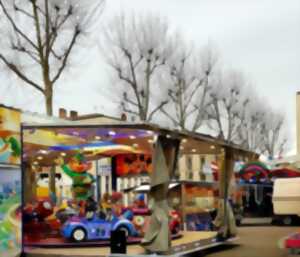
{"points": [[83, 181]]}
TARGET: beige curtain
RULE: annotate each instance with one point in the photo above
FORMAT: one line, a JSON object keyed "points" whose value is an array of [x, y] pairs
{"points": [[157, 238], [225, 221]]}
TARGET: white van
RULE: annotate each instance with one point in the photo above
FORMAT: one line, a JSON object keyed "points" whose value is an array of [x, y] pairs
{"points": [[286, 199]]}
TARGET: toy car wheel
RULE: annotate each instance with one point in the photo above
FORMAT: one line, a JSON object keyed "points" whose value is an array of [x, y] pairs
{"points": [[139, 221], [125, 229], [78, 234]]}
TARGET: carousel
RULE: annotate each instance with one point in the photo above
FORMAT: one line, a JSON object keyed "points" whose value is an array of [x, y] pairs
{"points": [[72, 202]]}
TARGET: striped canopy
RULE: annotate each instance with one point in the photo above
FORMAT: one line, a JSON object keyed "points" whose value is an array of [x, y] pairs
{"points": [[257, 170]]}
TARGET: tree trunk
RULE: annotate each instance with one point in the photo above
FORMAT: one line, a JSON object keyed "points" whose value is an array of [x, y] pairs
{"points": [[49, 103], [48, 95]]}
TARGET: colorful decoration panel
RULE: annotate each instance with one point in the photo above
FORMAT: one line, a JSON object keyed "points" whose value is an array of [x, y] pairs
{"points": [[133, 164], [10, 215], [10, 148]]}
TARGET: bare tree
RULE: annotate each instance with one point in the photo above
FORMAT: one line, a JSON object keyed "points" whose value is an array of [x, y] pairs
{"points": [[226, 104], [273, 131], [187, 76], [208, 66], [41, 35], [181, 81], [261, 129], [137, 47], [252, 117]]}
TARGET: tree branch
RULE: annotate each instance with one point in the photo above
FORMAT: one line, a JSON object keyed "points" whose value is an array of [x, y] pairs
{"points": [[132, 69], [129, 101], [47, 29], [169, 116], [58, 57], [156, 66], [194, 91], [15, 27], [159, 107], [191, 112], [170, 93], [134, 82], [38, 31], [21, 75], [18, 9], [128, 110], [57, 26], [121, 76], [67, 54], [26, 51]]}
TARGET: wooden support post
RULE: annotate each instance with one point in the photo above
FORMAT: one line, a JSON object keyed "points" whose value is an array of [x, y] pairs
{"points": [[52, 185]]}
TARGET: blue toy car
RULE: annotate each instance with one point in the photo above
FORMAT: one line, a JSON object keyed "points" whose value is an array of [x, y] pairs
{"points": [[83, 229]]}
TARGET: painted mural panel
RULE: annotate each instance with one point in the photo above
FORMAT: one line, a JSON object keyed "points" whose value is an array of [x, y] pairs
{"points": [[10, 149], [10, 214]]}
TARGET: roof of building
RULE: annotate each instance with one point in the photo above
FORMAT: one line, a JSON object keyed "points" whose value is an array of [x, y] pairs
{"points": [[94, 116]]}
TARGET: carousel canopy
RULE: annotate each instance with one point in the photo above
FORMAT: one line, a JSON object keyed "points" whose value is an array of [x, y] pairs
{"points": [[43, 143], [252, 170]]}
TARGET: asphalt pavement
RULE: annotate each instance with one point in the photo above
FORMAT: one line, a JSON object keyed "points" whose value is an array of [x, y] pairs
{"points": [[255, 241]]}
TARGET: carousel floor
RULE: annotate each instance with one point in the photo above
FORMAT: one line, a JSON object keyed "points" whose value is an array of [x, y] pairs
{"points": [[189, 242]]}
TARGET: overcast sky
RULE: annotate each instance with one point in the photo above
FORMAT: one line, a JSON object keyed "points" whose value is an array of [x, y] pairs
{"points": [[259, 37]]}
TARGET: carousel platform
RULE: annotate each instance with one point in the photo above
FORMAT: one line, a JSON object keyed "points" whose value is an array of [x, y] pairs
{"points": [[189, 242]]}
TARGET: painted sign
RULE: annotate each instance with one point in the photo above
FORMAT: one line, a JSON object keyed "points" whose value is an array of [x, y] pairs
{"points": [[10, 147]]}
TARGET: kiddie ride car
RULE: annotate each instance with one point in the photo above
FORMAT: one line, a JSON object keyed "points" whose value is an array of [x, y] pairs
{"points": [[81, 229], [38, 218], [141, 216]]}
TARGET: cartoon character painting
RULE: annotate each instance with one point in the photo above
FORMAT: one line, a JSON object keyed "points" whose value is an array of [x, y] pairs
{"points": [[10, 148]]}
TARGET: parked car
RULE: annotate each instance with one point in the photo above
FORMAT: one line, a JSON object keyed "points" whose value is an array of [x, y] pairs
{"points": [[82, 229]]}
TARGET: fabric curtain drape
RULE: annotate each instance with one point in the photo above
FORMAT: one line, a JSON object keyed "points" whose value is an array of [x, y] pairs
{"points": [[157, 238], [225, 221]]}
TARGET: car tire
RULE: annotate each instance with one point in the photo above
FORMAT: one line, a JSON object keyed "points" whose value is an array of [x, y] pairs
{"points": [[287, 220], [125, 229], [79, 235]]}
